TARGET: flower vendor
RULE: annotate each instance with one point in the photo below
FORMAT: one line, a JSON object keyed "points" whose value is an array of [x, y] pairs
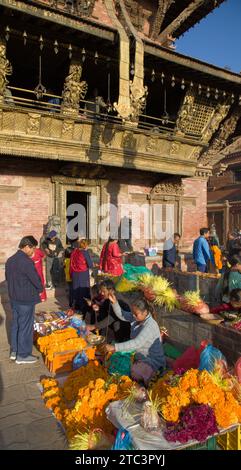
{"points": [[145, 339], [108, 323]]}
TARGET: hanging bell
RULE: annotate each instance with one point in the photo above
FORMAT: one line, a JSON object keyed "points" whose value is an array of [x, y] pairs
{"points": [[173, 82], [191, 85], [239, 100], [153, 75], [83, 55], [199, 89], [7, 31], [183, 84], [41, 45], [70, 51], [56, 46], [132, 71], [216, 94], [208, 94], [162, 77], [96, 57], [224, 94], [25, 38], [232, 98]]}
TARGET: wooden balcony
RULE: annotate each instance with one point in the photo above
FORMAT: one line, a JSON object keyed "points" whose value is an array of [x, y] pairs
{"points": [[28, 129]]}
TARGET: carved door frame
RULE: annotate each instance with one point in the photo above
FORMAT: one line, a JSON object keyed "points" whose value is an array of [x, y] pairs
{"points": [[96, 188]]}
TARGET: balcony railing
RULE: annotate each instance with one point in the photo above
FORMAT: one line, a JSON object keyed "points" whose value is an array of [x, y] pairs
{"points": [[88, 110], [73, 7]]}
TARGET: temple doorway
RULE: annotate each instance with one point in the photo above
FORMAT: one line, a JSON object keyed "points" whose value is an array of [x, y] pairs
{"points": [[77, 214]]}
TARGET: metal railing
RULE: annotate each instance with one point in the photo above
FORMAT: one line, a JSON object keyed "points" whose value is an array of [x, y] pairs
{"points": [[88, 110]]}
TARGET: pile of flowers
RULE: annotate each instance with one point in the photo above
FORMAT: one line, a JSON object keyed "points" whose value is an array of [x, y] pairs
{"points": [[80, 404], [64, 340], [196, 422], [199, 388]]}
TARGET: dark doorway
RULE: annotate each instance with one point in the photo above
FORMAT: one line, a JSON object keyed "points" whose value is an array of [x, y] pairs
{"points": [[217, 218], [77, 215]]}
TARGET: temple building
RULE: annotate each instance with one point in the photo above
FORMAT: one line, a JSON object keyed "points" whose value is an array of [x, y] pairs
{"points": [[224, 191], [97, 108]]}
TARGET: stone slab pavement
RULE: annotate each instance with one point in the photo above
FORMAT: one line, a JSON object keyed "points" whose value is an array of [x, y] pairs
{"points": [[25, 423]]}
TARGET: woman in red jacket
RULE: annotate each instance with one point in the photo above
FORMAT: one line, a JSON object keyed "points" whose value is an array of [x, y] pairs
{"points": [[111, 258], [80, 264], [38, 258]]}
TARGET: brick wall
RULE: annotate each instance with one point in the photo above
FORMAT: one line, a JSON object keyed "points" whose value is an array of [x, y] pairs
{"points": [[25, 204], [194, 216]]}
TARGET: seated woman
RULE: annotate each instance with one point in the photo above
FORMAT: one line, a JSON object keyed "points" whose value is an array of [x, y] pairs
{"points": [[109, 325], [229, 281], [233, 304], [145, 339]]}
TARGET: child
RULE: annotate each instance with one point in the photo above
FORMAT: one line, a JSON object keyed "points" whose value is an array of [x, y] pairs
{"points": [[217, 255], [145, 339], [68, 279], [234, 303]]}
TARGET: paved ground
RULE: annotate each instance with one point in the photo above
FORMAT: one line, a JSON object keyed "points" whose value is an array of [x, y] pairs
{"points": [[25, 423]]}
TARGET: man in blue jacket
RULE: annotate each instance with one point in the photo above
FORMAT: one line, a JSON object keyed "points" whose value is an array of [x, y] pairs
{"points": [[201, 251], [24, 287]]}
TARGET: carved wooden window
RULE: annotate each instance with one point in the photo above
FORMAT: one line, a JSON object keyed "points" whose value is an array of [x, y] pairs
{"points": [[202, 112]]}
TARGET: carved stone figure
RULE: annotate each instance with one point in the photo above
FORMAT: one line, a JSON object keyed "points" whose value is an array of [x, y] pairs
{"points": [[186, 112], [174, 188], [5, 70], [219, 142], [220, 113], [74, 89], [137, 104]]}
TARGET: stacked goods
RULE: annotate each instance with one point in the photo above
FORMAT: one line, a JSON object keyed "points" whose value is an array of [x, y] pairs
{"points": [[80, 403], [60, 347], [191, 302]]}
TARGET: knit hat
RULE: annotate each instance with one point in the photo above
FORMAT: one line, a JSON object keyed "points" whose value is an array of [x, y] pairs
{"points": [[52, 234]]}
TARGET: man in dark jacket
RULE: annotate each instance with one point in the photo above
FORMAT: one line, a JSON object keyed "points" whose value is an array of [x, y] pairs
{"points": [[24, 287], [53, 248], [170, 251]]}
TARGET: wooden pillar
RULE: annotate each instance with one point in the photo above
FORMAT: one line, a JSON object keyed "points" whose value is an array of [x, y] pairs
{"points": [[227, 221]]}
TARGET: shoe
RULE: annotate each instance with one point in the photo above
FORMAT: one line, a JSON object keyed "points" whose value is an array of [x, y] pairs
{"points": [[26, 360], [49, 286], [13, 356]]}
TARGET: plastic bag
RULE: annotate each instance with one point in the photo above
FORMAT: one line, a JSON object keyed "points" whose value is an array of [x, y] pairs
{"points": [[237, 370], [132, 273], [188, 360], [150, 419], [120, 363], [123, 440], [208, 358], [80, 360]]}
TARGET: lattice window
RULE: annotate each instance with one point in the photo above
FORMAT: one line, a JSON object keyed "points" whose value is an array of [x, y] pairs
{"points": [[202, 112]]}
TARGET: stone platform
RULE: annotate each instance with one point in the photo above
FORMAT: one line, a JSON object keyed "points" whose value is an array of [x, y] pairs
{"points": [[25, 423]]}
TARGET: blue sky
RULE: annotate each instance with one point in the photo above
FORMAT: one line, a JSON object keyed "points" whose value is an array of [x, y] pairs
{"points": [[217, 38]]}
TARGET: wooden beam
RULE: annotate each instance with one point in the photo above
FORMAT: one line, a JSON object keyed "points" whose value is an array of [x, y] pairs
{"points": [[190, 62], [81, 24], [163, 7], [175, 24]]}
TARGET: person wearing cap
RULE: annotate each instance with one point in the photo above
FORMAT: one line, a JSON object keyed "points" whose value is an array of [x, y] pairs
{"points": [[53, 249], [24, 288]]}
